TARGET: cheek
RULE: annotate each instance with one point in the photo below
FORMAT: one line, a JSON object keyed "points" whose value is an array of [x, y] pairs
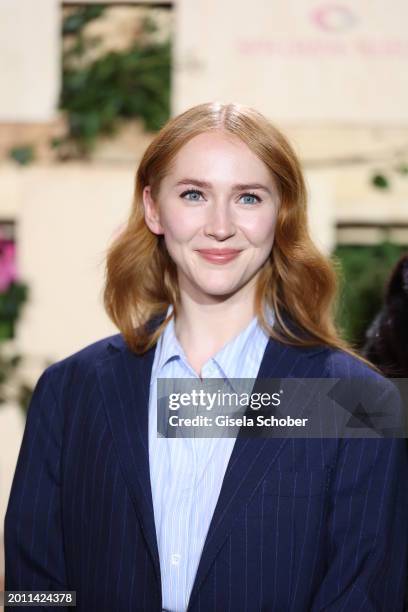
{"points": [[260, 231], [178, 228]]}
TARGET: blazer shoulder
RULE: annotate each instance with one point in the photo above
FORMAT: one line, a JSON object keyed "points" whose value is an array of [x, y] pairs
{"points": [[339, 364], [373, 389], [330, 362], [86, 357]]}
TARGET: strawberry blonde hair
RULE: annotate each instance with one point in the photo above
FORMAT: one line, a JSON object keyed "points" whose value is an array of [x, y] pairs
{"points": [[296, 280]]}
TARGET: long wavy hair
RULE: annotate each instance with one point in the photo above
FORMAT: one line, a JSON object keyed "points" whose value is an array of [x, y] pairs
{"points": [[297, 281]]}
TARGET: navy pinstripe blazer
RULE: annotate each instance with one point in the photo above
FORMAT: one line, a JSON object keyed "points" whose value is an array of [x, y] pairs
{"points": [[300, 524]]}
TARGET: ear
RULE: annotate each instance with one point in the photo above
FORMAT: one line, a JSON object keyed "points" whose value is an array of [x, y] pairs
{"points": [[151, 212]]}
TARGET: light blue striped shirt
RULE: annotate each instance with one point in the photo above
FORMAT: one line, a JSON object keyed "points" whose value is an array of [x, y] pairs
{"points": [[187, 473]]}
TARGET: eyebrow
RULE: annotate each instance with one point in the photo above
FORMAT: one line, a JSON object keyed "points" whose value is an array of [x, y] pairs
{"points": [[237, 187]]}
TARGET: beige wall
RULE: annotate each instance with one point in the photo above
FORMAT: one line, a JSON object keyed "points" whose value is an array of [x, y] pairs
{"points": [[66, 218], [308, 61], [29, 60], [11, 433]]}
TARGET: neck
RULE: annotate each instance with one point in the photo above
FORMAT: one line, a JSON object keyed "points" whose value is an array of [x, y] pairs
{"points": [[205, 328]]}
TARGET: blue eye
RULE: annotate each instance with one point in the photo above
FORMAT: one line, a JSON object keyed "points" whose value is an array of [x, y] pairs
{"points": [[192, 192], [253, 198], [195, 195]]}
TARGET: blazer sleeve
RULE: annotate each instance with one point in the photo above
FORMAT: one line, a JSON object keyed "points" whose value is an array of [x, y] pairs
{"points": [[33, 537], [367, 527]]}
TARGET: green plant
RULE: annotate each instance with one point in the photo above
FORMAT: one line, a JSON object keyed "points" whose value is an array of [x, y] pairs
{"points": [[383, 179], [363, 276], [12, 388], [23, 155], [98, 94], [74, 23], [13, 295], [380, 181], [11, 302]]}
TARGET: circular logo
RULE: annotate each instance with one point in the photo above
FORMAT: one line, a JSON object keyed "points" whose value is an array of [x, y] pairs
{"points": [[333, 17]]}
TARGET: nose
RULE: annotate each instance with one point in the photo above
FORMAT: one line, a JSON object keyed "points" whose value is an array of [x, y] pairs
{"points": [[220, 223]]}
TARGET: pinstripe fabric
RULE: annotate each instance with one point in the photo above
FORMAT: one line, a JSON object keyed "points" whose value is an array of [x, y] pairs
{"points": [[187, 473], [299, 525]]}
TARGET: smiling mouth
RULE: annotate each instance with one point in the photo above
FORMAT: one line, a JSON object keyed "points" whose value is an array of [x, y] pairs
{"points": [[219, 255]]}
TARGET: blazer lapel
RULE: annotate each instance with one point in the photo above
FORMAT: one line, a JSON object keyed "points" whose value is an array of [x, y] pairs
{"points": [[250, 459], [124, 379]]}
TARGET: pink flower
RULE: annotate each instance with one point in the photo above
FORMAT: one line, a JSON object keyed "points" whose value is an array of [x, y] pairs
{"points": [[8, 271]]}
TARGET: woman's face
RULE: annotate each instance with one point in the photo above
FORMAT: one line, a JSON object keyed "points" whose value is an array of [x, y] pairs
{"points": [[218, 197]]}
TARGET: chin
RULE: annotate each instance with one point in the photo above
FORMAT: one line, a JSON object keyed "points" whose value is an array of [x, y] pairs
{"points": [[218, 291], [210, 285]]}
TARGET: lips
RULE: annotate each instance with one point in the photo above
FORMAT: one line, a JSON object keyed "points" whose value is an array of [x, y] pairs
{"points": [[219, 255]]}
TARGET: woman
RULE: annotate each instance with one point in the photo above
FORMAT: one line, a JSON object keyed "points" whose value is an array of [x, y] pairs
{"points": [[215, 276]]}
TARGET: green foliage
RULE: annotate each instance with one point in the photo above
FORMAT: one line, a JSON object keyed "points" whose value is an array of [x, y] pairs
{"points": [[364, 273], [380, 181], [12, 388], [402, 169], [383, 179], [22, 155], [24, 395], [11, 302], [97, 94], [75, 23]]}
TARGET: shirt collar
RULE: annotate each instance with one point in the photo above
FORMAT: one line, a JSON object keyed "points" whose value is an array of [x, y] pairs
{"points": [[248, 346], [169, 345], [249, 341]]}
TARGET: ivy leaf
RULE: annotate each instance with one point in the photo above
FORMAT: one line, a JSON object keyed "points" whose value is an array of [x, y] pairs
{"points": [[75, 22], [380, 181], [97, 94], [22, 155], [402, 169]]}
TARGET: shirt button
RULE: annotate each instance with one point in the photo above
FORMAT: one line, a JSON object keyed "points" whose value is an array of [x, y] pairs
{"points": [[175, 559]]}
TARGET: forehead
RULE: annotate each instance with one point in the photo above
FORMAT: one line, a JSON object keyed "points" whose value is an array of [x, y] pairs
{"points": [[219, 153]]}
